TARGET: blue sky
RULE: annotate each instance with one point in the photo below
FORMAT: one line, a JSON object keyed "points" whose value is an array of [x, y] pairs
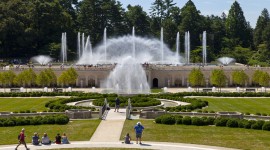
{"points": [[252, 8]]}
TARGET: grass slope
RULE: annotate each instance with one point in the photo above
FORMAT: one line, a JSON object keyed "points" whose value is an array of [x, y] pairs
{"points": [[251, 105], [79, 130], [205, 135], [18, 104]]}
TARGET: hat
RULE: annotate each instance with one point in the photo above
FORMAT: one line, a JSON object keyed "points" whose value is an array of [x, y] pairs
{"points": [[138, 123], [22, 129]]}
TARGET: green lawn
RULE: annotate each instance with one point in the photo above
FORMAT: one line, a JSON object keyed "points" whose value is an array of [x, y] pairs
{"points": [[18, 104], [156, 90], [205, 135], [79, 130], [251, 105]]}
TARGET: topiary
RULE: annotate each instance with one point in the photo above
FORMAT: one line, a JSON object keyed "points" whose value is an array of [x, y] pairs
{"points": [[197, 121], [186, 120], [168, 119], [221, 122], [232, 123], [61, 119], [158, 119], [210, 121], [266, 126], [178, 119]]}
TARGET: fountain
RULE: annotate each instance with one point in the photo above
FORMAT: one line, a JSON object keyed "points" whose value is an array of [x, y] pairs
{"points": [[128, 52], [177, 44], [161, 45], [105, 44], [79, 45], [41, 59], [88, 47], [64, 47], [204, 48], [187, 47], [83, 45], [147, 50], [133, 43], [226, 60], [128, 77]]}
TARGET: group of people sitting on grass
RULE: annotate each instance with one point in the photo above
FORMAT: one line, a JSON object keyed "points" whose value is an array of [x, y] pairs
{"points": [[45, 140]]}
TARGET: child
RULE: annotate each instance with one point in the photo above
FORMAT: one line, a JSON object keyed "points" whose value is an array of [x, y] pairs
{"points": [[127, 139]]}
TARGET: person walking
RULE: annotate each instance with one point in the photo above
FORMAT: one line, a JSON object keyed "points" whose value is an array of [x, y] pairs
{"points": [[117, 104], [138, 130], [21, 139]]}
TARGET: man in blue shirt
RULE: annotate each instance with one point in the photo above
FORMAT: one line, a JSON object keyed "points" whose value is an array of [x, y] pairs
{"points": [[138, 130]]}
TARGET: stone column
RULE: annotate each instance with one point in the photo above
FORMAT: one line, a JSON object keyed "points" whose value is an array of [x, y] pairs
{"points": [[183, 81], [86, 81]]}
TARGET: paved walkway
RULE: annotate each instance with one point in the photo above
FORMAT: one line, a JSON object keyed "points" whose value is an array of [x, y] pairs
{"points": [[110, 129], [147, 145]]}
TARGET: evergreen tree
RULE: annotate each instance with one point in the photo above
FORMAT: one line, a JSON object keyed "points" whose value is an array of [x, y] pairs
{"points": [[94, 16], [136, 17], [261, 24], [237, 27], [191, 21]]}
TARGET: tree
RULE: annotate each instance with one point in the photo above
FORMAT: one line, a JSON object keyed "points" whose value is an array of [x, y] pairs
{"points": [[241, 55], [256, 76], [31, 77], [68, 77], [8, 78], [266, 37], [261, 24], [191, 21], [264, 79], [51, 77], [136, 17], [42, 79], [218, 78], [237, 27], [21, 79], [16, 32], [169, 28], [196, 78], [239, 78], [261, 78], [94, 16], [26, 77]]}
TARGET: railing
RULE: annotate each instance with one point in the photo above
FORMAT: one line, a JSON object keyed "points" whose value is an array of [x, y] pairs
{"points": [[103, 110], [128, 110]]}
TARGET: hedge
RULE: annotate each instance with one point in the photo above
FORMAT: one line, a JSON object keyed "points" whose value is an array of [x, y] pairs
{"points": [[136, 101], [225, 122], [38, 120]]}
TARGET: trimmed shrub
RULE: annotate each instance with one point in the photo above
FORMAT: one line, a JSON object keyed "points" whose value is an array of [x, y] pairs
{"points": [[168, 119], [266, 126], [186, 120], [209, 120], [258, 125], [197, 121], [221, 122], [61, 119], [158, 119], [241, 123], [178, 120], [232, 123]]}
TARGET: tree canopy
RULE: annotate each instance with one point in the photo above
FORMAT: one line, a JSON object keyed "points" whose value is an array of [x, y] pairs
{"points": [[33, 27]]}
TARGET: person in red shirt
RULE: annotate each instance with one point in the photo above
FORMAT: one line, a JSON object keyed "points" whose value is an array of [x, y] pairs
{"points": [[21, 139]]}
